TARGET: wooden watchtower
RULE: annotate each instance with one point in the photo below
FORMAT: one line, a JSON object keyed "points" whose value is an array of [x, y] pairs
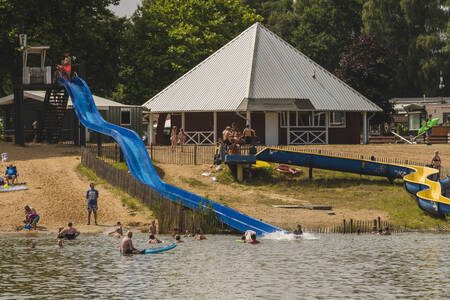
{"points": [[39, 78]]}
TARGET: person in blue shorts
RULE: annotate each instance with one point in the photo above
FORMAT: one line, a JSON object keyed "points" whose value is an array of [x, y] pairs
{"points": [[11, 174], [92, 200]]}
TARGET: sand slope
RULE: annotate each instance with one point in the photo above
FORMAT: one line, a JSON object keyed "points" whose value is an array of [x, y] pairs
{"points": [[56, 190]]}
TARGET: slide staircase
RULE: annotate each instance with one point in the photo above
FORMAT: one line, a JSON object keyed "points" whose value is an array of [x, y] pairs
{"points": [[432, 196], [141, 167], [52, 117]]}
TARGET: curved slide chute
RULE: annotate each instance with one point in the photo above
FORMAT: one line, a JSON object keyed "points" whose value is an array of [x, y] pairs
{"points": [[141, 167], [417, 180]]}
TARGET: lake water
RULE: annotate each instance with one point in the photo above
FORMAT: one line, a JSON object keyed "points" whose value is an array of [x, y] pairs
{"points": [[403, 266]]}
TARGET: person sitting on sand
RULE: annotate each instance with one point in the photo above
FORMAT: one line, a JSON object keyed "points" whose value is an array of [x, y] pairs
{"points": [[153, 240], [187, 233], [59, 244], [152, 228], [199, 236], [118, 232], [69, 233], [126, 245], [298, 231], [253, 239], [31, 217], [178, 239], [11, 174], [386, 231]]}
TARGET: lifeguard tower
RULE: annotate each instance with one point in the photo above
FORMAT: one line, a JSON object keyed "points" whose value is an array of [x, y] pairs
{"points": [[39, 78]]}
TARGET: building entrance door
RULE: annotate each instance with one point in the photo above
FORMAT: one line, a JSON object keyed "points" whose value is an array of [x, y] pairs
{"points": [[271, 128]]}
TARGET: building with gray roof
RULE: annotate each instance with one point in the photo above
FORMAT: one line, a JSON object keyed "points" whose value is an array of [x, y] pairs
{"points": [[259, 79]]}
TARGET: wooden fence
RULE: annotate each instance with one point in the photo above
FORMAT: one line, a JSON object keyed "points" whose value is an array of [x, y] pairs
{"points": [[353, 226], [170, 214], [193, 154]]}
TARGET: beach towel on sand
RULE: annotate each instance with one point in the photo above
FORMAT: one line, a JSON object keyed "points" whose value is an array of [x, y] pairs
{"points": [[13, 188]]}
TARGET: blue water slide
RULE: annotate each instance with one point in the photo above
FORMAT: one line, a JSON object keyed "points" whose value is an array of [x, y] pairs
{"points": [[141, 167]]}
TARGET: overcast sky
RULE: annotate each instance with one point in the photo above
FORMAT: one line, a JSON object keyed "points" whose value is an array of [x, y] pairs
{"points": [[126, 7]]}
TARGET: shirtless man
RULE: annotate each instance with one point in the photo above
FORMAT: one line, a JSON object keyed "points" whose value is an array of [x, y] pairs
{"points": [[248, 133], [153, 240], [126, 245], [69, 233], [226, 133], [175, 232], [118, 232]]}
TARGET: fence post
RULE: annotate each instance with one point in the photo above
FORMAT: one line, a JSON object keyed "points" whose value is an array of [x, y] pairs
{"points": [[344, 226], [99, 144], [195, 154], [151, 151]]}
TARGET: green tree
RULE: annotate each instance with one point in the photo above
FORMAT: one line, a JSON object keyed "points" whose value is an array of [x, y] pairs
{"points": [[168, 38], [365, 65], [85, 28], [415, 30], [324, 28]]}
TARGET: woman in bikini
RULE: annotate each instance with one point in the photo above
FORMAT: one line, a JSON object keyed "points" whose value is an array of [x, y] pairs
{"points": [[181, 138]]}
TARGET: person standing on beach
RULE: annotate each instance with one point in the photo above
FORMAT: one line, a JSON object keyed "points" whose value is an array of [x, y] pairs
{"points": [[92, 198]]}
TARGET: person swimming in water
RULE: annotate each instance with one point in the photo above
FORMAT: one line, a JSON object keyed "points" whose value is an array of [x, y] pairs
{"points": [[298, 231], [199, 236], [126, 245], [69, 233], [59, 244], [187, 233], [175, 232], [386, 231], [118, 232], [178, 239], [153, 240], [253, 239]]}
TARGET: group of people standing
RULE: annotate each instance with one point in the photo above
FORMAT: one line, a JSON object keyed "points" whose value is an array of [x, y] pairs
{"points": [[177, 138], [233, 138]]}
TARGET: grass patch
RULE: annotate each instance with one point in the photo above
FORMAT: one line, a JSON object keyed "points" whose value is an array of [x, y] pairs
{"points": [[192, 182], [119, 165], [340, 190], [132, 203]]}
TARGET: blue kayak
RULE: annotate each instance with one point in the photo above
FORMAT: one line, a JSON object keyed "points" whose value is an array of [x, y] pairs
{"points": [[160, 249]]}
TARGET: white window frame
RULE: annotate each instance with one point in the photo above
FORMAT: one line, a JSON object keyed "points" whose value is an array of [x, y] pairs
{"points": [[418, 114], [284, 117], [337, 125], [125, 109]]}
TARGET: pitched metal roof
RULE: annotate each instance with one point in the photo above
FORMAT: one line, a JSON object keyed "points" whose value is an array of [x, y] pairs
{"points": [[100, 102], [257, 65]]}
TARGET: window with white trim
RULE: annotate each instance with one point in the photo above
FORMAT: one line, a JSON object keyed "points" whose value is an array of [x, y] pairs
{"points": [[125, 116], [295, 119], [337, 119]]}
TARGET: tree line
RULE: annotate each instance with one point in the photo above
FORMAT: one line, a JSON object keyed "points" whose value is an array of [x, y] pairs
{"points": [[382, 48]]}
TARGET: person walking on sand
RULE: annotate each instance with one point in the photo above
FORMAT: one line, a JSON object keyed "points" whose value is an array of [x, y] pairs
{"points": [[92, 203]]}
